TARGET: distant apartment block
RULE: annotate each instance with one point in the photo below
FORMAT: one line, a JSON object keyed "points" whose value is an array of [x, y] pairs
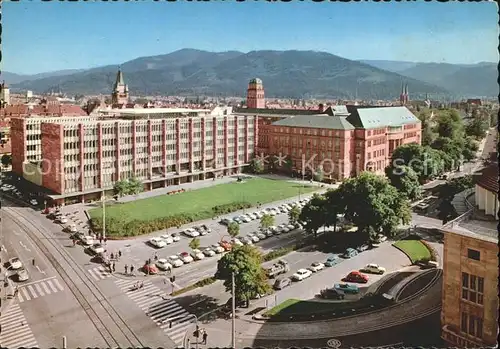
{"points": [[80, 158]]}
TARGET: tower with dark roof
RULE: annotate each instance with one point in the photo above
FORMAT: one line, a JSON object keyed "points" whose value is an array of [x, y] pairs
{"points": [[255, 94], [402, 94], [407, 96], [120, 90]]}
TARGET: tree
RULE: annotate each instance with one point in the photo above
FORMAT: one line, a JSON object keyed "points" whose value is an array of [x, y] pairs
{"points": [[319, 174], [314, 214], [256, 166], [424, 161], [194, 244], [135, 186], [470, 147], [233, 229], [373, 205], [6, 160], [477, 128], [121, 188], [454, 186], [293, 215], [448, 123], [249, 277], [335, 206], [406, 182], [266, 221]]}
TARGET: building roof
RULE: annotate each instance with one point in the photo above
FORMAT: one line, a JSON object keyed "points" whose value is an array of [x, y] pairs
{"points": [[323, 121], [277, 112], [487, 178], [256, 81], [378, 117], [139, 111]]}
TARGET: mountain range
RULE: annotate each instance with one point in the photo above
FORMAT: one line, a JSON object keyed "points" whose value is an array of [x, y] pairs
{"points": [[286, 74]]}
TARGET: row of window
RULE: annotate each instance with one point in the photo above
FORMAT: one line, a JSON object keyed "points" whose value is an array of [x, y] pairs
{"points": [[377, 141], [410, 134], [312, 132], [472, 325], [376, 132], [472, 288], [376, 153]]}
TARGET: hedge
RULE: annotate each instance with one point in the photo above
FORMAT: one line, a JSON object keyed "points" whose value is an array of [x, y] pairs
{"points": [[119, 229], [201, 283], [280, 252], [432, 250]]}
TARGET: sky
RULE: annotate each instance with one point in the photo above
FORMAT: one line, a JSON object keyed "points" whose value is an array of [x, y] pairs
{"points": [[47, 36]]}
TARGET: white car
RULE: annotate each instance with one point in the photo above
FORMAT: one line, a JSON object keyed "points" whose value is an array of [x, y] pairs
{"points": [[175, 261], [97, 248], [185, 257], [62, 220], [269, 233], [15, 263], [191, 233], [271, 212], [301, 274], [22, 275], [87, 240], [157, 242], [253, 238], [197, 254], [316, 266], [261, 236], [238, 220], [217, 248], [73, 228], [381, 238], [246, 241], [258, 215], [245, 219], [374, 269], [33, 202], [237, 242], [176, 237], [290, 227], [167, 238], [273, 228], [163, 264], [209, 252]]}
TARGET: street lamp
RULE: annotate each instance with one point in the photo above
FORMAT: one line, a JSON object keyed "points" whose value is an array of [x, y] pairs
{"points": [[197, 330]]}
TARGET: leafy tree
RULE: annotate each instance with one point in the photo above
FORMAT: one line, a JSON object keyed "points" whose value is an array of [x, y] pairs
{"points": [[448, 124], [335, 206], [477, 128], [293, 215], [447, 211], [121, 188], [406, 182], [469, 148], [135, 186], [256, 166], [424, 161], [266, 221], [6, 160], [194, 244], [233, 229], [314, 214], [455, 186], [249, 277], [373, 205], [319, 175], [494, 118]]}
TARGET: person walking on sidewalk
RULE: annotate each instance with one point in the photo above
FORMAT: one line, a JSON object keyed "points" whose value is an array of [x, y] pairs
{"points": [[131, 269], [119, 254], [126, 269], [205, 336], [114, 267]]}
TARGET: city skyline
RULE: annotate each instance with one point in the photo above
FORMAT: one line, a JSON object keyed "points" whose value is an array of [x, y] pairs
{"points": [[417, 32]]}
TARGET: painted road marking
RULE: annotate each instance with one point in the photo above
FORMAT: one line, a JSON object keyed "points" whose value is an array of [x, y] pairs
{"points": [[24, 246], [38, 289], [16, 333], [41, 271]]}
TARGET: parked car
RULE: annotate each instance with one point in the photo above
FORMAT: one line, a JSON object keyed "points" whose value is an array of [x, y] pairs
{"points": [[175, 261], [226, 245], [201, 231], [209, 252], [301, 274], [259, 215], [61, 220], [150, 269], [332, 293], [15, 263], [246, 241], [97, 248], [176, 237], [237, 242], [190, 232], [225, 221], [167, 238], [347, 288], [332, 260], [349, 253], [163, 264], [197, 254], [281, 283], [269, 233], [34, 202], [217, 248], [373, 269], [245, 219], [316, 266], [362, 248], [88, 240], [72, 228], [185, 257], [290, 227], [22, 275], [261, 236], [356, 276], [157, 242], [100, 258], [253, 238]]}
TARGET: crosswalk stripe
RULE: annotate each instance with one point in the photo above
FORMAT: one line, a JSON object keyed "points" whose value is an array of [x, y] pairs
{"points": [[146, 303], [58, 284], [32, 291], [14, 330], [91, 272], [52, 286], [46, 288], [39, 289], [159, 310], [25, 294]]}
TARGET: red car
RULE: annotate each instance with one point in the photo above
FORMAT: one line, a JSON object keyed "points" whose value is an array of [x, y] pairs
{"points": [[356, 276], [150, 269]]}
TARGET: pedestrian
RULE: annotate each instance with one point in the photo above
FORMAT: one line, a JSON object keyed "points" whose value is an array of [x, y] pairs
{"points": [[119, 253], [188, 343], [105, 240], [114, 268], [131, 269], [205, 336], [156, 257], [112, 255], [33, 262], [74, 242], [126, 269], [100, 239]]}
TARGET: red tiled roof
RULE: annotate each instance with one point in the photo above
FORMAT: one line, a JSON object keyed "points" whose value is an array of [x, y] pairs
{"points": [[488, 178]]}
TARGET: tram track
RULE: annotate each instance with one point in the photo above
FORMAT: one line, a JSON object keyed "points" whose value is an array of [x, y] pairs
{"points": [[108, 322]]}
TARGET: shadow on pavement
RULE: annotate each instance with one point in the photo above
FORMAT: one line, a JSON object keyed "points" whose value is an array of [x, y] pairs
{"points": [[207, 309]]}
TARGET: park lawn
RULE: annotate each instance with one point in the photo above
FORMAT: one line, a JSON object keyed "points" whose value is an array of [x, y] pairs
{"points": [[199, 203], [414, 249]]}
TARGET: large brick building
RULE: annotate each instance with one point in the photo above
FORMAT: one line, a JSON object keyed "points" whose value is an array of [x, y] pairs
{"points": [[80, 158]]}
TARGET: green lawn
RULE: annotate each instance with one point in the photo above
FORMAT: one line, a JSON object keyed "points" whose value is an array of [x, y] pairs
{"points": [[414, 249], [199, 203]]}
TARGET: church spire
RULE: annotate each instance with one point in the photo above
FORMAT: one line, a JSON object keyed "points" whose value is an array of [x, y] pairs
{"points": [[119, 78]]}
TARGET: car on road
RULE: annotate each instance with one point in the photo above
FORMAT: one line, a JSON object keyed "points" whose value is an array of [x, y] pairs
{"points": [[259, 215], [97, 248], [200, 230], [373, 268], [301, 274], [347, 288], [290, 227], [175, 261], [77, 236], [34, 202], [237, 220], [332, 293], [281, 283], [15, 263], [245, 219], [167, 238], [261, 236], [333, 260], [100, 258], [217, 248], [61, 220], [176, 237], [362, 248], [190, 232], [316, 266], [225, 221], [237, 242], [197, 254], [163, 264], [269, 233], [349, 253], [87, 240], [22, 275], [253, 237], [157, 242], [226, 245], [209, 252], [149, 269], [246, 241], [185, 257], [356, 276]]}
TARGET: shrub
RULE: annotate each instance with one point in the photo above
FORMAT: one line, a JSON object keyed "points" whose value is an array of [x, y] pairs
{"points": [[280, 252], [432, 250], [201, 283], [232, 207]]}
